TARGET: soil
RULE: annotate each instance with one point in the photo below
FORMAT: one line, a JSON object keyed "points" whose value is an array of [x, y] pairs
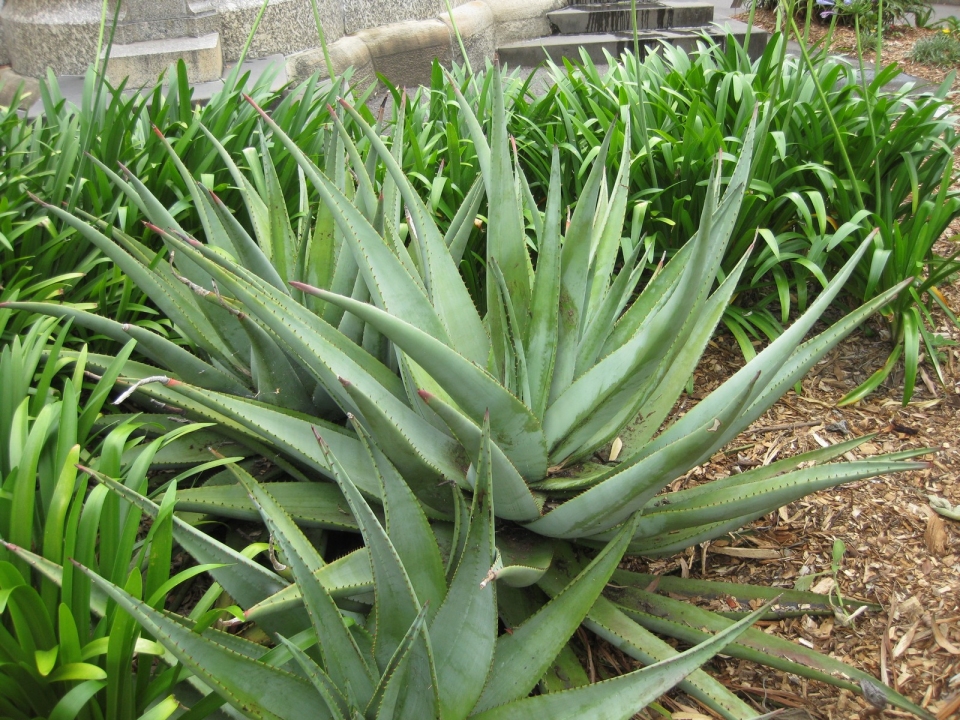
{"points": [[899, 553]]}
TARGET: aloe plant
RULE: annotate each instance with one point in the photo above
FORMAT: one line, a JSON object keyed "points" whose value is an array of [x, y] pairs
{"points": [[431, 647], [359, 313]]}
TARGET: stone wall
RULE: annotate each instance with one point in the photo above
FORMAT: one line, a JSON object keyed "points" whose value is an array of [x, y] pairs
{"points": [[404, 51], [399, 38]]}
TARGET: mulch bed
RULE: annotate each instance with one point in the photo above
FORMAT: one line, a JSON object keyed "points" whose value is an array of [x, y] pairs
{"points": [[899, 552]]}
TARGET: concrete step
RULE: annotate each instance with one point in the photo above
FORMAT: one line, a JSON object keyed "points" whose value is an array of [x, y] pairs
{"points": [[616, 16], [530, 53], [142, 62]]}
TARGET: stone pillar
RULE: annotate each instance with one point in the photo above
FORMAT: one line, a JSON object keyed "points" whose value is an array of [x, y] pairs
{"points": [[60, 34]]}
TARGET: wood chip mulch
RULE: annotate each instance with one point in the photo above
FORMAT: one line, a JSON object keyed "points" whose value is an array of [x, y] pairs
{"points": [[899, 553]]}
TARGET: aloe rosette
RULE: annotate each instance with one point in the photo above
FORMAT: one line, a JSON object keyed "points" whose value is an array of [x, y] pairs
{"points": [[355, 306]]}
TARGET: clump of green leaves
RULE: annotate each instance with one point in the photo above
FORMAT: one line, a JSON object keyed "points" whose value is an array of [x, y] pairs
{"points": [[942, 49]]}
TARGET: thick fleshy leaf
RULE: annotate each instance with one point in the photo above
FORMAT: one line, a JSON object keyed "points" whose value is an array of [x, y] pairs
{"points": [[687, 622], [514, 427], [342, 658], [464, 632], [636, 641], [441, 277], [408, 687], [512, 497], [408, 529], [524, 655], [255, 689], [315, 504], [335, 701], [397, 606], [185, 365], [621, 697], [574, 259], [247, 582], [420, 451], [348, 576], [612, 501], [542, 339]]}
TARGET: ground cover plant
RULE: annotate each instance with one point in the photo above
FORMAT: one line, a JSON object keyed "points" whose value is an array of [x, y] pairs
{"points": [[65, 650], [577, 373]]}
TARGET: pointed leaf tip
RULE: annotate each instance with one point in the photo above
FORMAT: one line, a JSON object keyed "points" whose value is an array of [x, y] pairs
{"points": [[343, 381], [427, 396]]}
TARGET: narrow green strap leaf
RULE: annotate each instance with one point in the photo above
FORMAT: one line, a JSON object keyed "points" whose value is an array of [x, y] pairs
{"points": [[246, 581], [462, 225], [159, 349], [71, 704]]}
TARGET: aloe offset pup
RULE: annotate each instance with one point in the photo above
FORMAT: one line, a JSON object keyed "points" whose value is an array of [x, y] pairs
{"points": [[567, 360]]}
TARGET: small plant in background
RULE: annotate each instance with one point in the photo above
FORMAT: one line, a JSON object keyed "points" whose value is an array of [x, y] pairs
{"points": [[942, 49]]}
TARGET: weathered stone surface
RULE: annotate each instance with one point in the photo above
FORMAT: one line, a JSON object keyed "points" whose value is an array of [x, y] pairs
{"points": [[474, 22], [617, 17], [522, 20], [10, 82], [174, 27], [399, 37], [142, 63], [347, 52], [61, 34], [532, 52], [404, 52], [363, 14], [287, 27]]}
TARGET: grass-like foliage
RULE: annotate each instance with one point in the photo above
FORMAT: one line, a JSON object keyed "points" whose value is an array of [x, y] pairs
{"points": [[942, 49]]}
